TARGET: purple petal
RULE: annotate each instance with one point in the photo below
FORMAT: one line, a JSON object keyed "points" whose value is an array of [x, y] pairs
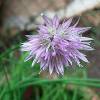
{"points": [[43, 29], [77, 31], [55, 21], [85, 39], [47, 20], [66, 24]]}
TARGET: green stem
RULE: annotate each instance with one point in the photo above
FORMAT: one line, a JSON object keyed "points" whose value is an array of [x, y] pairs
{"points": [[77, 82], [60, 80], [81, 82], [75, 94], [6, 77]]}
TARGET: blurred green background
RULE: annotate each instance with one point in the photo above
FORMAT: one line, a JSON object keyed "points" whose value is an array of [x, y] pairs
{"points": [[20, 81]]}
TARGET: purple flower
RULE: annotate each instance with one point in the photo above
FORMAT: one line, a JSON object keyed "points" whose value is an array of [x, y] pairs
{"points": [[57, 45]]}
